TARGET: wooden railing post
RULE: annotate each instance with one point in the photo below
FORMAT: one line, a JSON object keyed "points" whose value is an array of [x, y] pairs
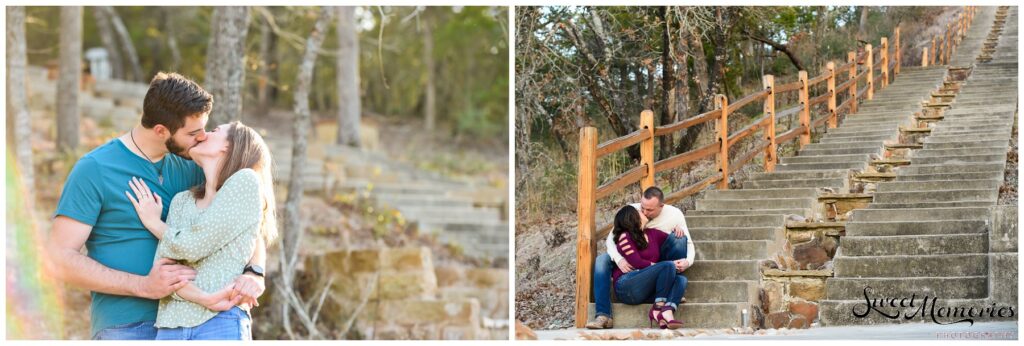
{"points": [[805, 113], [851, 57], [769, 109], [897, 53], [723, 140], [931, 52], [833, 119], [924, 57], [885, 62], [871, 72], [585, 207], [647, 149]]}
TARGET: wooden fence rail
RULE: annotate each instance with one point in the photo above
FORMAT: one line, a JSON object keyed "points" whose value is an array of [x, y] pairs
{"points": [[590, 151]]}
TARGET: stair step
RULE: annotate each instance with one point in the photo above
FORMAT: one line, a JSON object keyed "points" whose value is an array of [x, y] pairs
{"points": [[958, 287], [959, 159], [825, 158], [912, 266], [795, 183], [958, 204], [937, 185], [820, 166], [920, 214], [799, 211], [945, 169], [761, 193], [915, 227], [756, 220], [707, 270], [754, 204], [936, 196], [914, 245], [931, 152], [735, 233], [731, 249], [693, 315]]}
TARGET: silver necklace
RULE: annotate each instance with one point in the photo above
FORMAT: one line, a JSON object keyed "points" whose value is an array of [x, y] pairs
{"points": [[159, 171]]}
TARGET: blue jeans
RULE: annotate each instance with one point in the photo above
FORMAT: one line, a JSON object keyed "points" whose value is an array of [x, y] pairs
{"points": [[234, 324], [672, 249], [131, 331], [658, 282]]}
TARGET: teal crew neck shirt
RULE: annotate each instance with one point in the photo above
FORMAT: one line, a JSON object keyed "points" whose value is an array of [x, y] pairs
{"points": [[94, 195]]}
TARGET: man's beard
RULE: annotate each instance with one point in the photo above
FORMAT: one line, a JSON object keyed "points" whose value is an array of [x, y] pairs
{"points": [[174, 148]]}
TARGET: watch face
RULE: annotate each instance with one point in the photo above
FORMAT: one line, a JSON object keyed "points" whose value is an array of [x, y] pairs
{"points": [[255, 269]]}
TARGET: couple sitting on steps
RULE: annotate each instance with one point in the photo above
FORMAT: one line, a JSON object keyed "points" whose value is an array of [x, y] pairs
{"points": [[648, 250]]}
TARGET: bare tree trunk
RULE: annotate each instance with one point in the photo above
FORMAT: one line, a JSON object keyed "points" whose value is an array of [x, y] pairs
{"points": [[700, 70], [69, 80], [716, 76], [106, 33], [429, 110], [169, 23], [225, 62], [349, 104], [19, 129], [266, 35], [668, 86], [862, 28], [300, 132], [126, 41]]}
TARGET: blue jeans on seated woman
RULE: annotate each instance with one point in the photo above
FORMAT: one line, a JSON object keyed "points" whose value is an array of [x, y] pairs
{"points": [[659, 283], [234, 324], [674, 248]]}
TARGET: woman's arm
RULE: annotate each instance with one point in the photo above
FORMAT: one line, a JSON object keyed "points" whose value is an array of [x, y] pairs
{"points": [[235, 210], [627, 247], [216, 301], [149, 206]]}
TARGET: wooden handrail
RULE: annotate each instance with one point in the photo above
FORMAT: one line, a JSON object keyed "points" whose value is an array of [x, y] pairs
{"points": [[793, 86], [791, 134], [619, 143], [622, 180], [684, 158], [748, 157], [679, 125], [733, 106], [820, 78], [748, 130]]}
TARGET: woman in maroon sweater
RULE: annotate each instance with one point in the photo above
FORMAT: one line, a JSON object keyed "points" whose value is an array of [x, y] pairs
{"points": [[652, 280]]}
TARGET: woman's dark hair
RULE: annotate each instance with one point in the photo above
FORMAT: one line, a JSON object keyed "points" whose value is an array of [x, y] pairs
{"points": [[627, 220]]}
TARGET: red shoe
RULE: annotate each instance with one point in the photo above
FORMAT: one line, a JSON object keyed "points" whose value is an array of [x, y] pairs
{"points": [[655, 315], [670, 324]]}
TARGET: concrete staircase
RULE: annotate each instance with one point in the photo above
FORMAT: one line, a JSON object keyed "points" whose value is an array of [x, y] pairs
{"points": [[733, 230], [465, 214], [928, 233], [926, 230]]}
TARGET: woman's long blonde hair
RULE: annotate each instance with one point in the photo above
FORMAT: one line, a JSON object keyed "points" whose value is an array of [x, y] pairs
{"points": [[246, 149]]}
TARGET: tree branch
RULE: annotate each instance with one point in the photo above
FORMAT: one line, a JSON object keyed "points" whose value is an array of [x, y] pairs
{"points": [[779, 48]]}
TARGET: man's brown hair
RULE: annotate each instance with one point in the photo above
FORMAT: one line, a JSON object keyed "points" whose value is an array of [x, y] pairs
{"points": [[172, 98]]}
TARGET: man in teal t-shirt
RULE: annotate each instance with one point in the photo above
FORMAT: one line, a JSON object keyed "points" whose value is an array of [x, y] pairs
{"points": [[95, 212]]}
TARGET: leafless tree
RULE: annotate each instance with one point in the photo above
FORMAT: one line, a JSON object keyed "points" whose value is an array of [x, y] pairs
{"points": [[349, 104], [125, 40], [225, 62], [70, 78], [19, 129]]}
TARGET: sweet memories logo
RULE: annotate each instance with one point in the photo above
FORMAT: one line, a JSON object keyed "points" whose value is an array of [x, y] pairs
{"points": [[926, 308]]}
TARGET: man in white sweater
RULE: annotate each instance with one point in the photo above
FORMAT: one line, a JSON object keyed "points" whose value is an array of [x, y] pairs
{"points": [[678, 248]]}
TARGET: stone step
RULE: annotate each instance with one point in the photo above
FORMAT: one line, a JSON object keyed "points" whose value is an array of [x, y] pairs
{"points": [[797, 183], [756, 220], [485, 226], [755, 204], [951, 176], [913, 205], [827, 174], [1003, 132], [920, 214], [708, 250], [957, 159], [707, 270], [841, 312], [882, 137], [929, 152], [693, 315], [820, 166], [938, 185], [915, 227], [943, 138], [760, 193], [720, 212], [735, 233], [422, 200], [937, 196], [858, 158], [853, 246], [947, 265], [864, 125], [958, 287], [965, 144], [857, 132], [843, 150], [952, 168]]}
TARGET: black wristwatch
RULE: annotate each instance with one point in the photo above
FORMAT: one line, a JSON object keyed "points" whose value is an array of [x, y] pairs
{"points": [[255, 269]]}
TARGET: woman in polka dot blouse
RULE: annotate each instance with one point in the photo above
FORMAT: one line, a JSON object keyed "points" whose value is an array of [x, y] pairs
{"points": [[214, 228]]}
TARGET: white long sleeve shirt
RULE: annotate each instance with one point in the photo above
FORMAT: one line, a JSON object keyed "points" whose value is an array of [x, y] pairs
{"points": [[669, 218]]}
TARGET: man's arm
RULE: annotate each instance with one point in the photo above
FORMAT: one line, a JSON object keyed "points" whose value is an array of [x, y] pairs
{"points": [[609, 245], [66, 240]]}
